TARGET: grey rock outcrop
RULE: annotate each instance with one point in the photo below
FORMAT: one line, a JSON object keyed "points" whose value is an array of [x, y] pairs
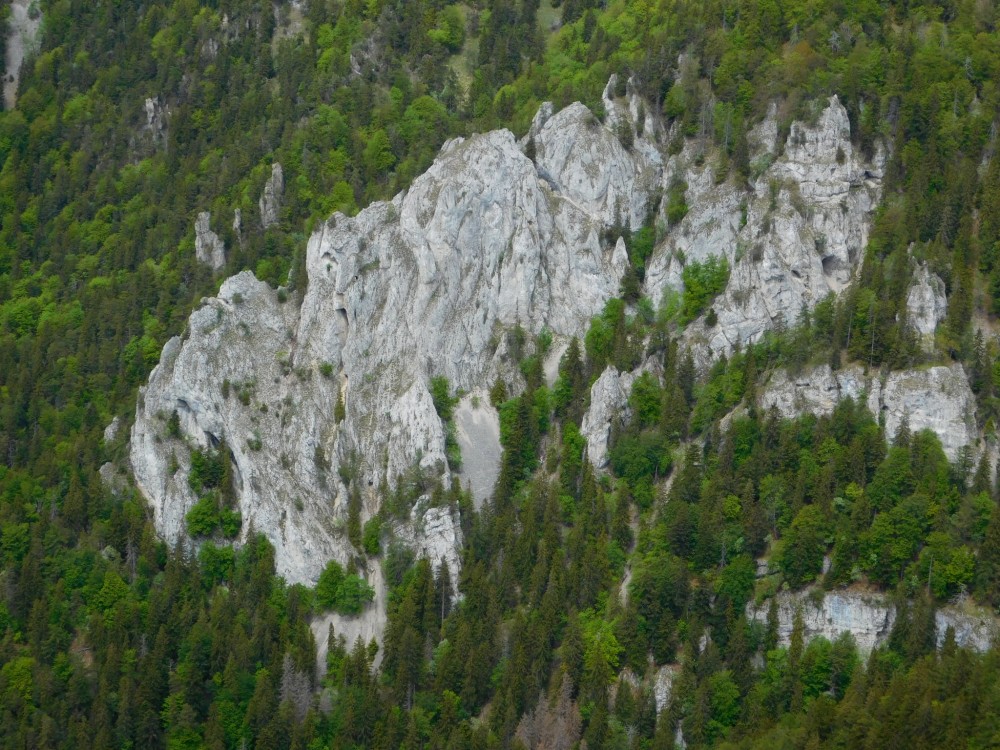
{"points": [[477, 427], [868, 616], [608, 401], [936, 398], [926, 305], [208, 246], [663, 685], [111, 431], [587, 164], [22, 28], [790, 241], [156, 118], [423, 285], [974, 628], [270, 197], [434, 533]]}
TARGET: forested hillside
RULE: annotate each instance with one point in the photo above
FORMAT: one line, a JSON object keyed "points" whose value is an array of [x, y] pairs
{"points": [[579, 588]]}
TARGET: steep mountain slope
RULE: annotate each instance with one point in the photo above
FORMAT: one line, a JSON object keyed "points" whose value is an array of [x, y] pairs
{"points": [[434, 283], [728, 399], [422, 286], [428, 285]]}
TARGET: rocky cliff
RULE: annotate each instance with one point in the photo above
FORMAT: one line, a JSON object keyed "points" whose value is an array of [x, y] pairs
{"points": [[793, 237], [935, 398], [869, 616], [22, 29], [311, 388], [422, 286]]}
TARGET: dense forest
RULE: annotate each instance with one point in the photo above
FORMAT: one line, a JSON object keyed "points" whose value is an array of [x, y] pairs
{"points": [[108, 638]]}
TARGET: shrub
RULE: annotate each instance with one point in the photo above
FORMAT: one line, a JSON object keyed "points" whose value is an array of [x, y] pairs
{"points": [[702, 282], [803, 547], [441, 396], [371, 534], [346, 594], [207, 470], [202, 518]]}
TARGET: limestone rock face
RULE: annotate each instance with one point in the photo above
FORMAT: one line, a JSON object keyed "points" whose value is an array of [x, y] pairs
{"points": [[926, 305], [270, 198], [22, 29], [588, 165], [608, 401], [937, 398], [156, 118], [477, 427], [663, 686], [796, 236], [975, 629], [208, 246], [421, 286], [868, 616]]}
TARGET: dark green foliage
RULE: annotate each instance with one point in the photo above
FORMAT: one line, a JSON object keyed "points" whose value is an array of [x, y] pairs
{"points": [[344, 593], [677, 207], [371, 534], [109, 639], [441, 395], [803, 546]]}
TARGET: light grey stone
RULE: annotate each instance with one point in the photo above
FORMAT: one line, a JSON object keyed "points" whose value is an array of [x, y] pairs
{"points": [[424, 285], [270, 197], [608, 401], [936, 398], [208, 246], [477, 428], [23, 35], [796, 236], [868, 616], [926, 305]]}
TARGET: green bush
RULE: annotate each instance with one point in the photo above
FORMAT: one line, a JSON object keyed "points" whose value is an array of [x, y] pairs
{"points": [[329, 584], [207, 470], [441, 396], [803, 546], [702, 282], [371, 535], [346, 594], [203, 517], [677, 207]]}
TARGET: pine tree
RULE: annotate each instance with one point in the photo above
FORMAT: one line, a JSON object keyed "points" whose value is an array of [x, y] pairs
{"points": [[988, 569]]}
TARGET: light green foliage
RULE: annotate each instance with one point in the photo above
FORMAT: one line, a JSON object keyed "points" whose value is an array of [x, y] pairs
{"points": [[450, 29], [640, 247], [645, 399], [702, 282], [97, 271], [352, 595], [17, 678], [203, 518]]}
